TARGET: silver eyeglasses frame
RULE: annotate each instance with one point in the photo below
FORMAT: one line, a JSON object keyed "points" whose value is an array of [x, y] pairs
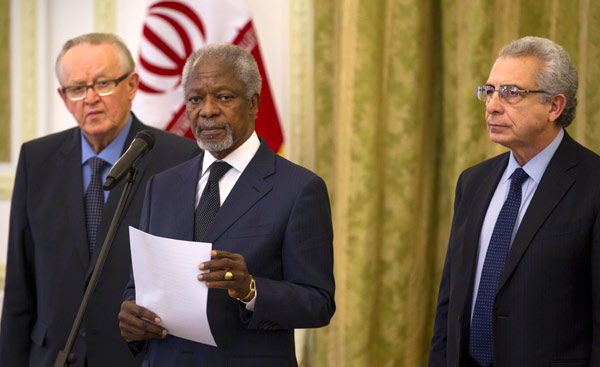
{"points": [[509, 93]]}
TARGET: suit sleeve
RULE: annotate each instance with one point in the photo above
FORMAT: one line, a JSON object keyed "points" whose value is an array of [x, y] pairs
{"points": [[19, 307], [304, 298], [595, 260], [437, 352], [129, 293]]}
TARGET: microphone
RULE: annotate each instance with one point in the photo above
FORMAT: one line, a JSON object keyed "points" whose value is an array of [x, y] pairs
{"points": [[143, 142]]}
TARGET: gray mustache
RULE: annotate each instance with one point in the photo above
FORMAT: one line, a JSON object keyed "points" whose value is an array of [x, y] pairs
{"points": [[209, 124]]}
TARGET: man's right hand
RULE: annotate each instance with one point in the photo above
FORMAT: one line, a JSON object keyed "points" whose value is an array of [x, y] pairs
{"points": [[134, 327]]}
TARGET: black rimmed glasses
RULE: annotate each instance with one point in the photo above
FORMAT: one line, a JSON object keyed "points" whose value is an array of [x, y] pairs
{"points": [[101, 87], [511, 94]]}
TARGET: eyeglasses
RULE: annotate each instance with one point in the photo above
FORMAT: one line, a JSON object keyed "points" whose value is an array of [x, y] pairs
{"points": [[511, 94], [101, 87]]}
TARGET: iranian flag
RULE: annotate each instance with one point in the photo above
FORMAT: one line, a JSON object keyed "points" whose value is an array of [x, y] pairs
{"points": [[172, 30]]}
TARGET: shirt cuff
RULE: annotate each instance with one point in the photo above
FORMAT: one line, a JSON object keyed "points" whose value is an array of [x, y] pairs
{"points": [[250, 304]]}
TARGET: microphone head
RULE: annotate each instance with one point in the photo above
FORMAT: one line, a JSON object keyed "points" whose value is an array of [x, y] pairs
{"points": [[143, 142], [146, 136]]}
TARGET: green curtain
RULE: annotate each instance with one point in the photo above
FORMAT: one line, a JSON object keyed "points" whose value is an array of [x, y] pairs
{"points": [[387, 114], [5, 131]]}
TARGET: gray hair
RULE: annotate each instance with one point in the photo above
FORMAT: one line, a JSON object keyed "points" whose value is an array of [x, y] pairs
{"points": [[127, 63], [244, 65], [556, 76]]}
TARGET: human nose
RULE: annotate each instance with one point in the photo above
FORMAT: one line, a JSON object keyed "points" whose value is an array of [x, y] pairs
{"points": [[494, 103], [209, 108], [90, 94]]}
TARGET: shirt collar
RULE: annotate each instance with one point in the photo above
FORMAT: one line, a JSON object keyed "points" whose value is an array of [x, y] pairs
{"points": [[239, 158], [536, 166], [112, 152]]}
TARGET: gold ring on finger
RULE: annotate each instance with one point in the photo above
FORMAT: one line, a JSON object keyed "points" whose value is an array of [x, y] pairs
{"points": [[228, 275]]}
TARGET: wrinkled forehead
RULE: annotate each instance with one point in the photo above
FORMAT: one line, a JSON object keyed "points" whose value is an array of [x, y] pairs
{"points": [[520, 71], [88, 61], [212, 72]]}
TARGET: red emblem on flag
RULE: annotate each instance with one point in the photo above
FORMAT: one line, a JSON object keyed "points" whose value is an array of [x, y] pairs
{"points": [[172, 31]]}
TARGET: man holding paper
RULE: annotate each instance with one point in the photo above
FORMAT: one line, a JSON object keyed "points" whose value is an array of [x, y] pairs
{"points": [[268, 219]]}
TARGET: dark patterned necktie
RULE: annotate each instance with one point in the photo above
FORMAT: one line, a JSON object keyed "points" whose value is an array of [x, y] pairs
{"points": [[94, 200], [481, 342], [210, 200]]}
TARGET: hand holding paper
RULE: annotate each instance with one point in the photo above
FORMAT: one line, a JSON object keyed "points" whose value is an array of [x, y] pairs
{"points": [[134, 325], [166, 284], [227, 271]]}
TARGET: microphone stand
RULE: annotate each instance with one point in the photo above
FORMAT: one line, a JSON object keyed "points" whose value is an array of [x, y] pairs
{"points": [[64, 357]]}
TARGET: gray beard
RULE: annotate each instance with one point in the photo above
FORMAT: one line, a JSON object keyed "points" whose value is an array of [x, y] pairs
{"points": [[217, 146]]}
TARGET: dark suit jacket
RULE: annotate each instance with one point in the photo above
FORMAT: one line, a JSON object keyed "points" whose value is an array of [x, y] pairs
{"points": [[547, 306], [48, 265], [278, 217]]}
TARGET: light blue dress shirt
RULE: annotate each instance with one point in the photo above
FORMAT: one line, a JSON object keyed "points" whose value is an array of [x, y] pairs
{"points": [[535, 169], [110, 154]]}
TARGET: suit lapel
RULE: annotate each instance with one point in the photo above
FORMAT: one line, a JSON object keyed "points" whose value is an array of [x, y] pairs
{"points": [[469, 250], [72, 192], [250, 187], [183, 198], [552, 188]]}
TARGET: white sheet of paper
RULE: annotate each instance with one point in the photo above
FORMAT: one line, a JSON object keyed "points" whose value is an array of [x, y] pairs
{"points": [[165, 272]]}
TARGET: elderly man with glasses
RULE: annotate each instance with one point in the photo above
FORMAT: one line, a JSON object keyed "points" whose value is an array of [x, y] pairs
{"points": [[521, 280], [60, 214]]}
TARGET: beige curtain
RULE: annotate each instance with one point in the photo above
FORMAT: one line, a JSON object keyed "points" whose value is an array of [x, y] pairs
{"points": [[384, 109]]}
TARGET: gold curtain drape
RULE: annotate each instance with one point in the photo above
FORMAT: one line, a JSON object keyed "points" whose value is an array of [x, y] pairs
{"points": [[388, 117]]}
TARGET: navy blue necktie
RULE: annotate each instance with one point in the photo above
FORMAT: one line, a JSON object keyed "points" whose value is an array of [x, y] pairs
{"points": [[210, 201], [94, 200], [481, 342]]}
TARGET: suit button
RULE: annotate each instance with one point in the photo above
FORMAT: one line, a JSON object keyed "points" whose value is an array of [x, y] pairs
{"points": [[82, 333]]}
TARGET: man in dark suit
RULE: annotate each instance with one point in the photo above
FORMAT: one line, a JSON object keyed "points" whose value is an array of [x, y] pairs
{"points": [[272, 266], [521, 281], [51, 254]]}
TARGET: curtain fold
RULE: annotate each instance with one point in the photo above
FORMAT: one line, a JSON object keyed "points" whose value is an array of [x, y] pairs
{"points": [[5, 130]]}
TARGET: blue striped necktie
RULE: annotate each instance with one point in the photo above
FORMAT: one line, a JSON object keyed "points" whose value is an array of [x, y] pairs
{"points": [[94, 200], [481, 341]]}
